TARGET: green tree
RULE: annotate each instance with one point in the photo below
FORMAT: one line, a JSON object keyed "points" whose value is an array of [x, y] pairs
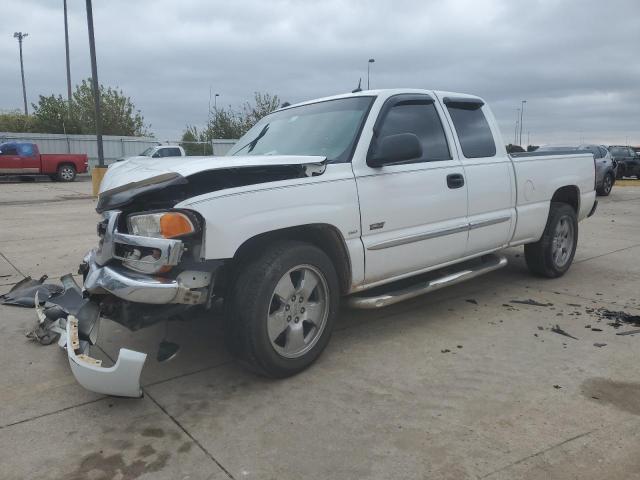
{"points": [[225, 123], [16, 121], [229, 123], [51, 115], [264, 104], [119, 115], [190, 139]]}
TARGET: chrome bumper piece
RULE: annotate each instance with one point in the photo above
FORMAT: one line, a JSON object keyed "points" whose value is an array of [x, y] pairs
{"points": [[137, 287]]}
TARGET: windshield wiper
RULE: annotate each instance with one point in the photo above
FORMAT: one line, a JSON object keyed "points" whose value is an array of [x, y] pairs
{"points": [[252, 144]]}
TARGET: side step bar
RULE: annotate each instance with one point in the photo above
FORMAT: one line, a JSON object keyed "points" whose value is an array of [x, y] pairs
{"points": [[488, 264]]}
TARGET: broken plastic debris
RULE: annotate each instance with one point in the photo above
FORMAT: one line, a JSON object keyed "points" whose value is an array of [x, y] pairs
{"points": [[22, 293], [530, 301], [560, 331]]}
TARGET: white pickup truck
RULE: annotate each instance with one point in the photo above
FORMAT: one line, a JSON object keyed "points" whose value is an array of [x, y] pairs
{"points": [[367, 199], [159, 151]]}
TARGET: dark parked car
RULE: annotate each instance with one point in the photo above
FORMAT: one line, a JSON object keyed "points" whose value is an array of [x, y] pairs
{"points": [[627, 159]]}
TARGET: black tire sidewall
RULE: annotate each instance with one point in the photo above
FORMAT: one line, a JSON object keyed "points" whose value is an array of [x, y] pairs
{"points": [[258, 280]]}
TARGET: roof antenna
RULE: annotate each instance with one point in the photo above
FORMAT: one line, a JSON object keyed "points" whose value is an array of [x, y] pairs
{"points": [[358, 89]]}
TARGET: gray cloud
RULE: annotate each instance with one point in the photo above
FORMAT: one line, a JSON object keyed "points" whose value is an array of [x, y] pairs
{"points": [[575, 62]]}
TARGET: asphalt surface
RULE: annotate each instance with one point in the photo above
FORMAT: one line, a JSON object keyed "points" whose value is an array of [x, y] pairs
{"points": [[470, 382]]}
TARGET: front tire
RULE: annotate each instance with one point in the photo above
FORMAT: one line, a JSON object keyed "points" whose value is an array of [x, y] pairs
{"points": [[553, 254], [607, 185], [66, 173], [282, 307]]}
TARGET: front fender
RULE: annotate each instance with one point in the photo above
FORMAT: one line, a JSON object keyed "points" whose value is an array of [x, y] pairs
{"points": [[234, 216]]}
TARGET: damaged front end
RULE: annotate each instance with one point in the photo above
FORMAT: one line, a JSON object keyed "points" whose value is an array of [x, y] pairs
{"points": [[149, 265], [145, 270]]}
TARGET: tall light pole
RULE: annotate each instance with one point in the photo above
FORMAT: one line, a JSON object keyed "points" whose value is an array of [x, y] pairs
{"points": [[66, 46], [20, 36], [95, 84], [371, 60], [521, 113], [515, 130], [215, 102]]}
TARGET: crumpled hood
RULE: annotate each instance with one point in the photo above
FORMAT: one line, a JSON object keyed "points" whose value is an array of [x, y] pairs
{"points": [[138, 170]]}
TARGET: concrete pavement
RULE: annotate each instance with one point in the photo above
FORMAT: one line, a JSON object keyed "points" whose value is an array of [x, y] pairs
{"points": [[461, 384]]}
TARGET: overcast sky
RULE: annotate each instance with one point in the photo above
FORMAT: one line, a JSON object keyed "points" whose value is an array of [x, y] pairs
{"points": [[577, 63]]}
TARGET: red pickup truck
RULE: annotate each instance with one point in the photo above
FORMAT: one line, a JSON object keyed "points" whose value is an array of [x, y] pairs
{"points": [[17, 158]]}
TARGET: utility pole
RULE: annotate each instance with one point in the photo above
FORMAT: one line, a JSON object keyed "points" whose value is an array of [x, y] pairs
{"points": [[94, 83], [66, 45], [20, 36], [371, 60], [521, 113]]}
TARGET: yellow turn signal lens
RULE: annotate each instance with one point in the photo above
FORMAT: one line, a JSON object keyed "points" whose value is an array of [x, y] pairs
{"points": [[174, 224]]}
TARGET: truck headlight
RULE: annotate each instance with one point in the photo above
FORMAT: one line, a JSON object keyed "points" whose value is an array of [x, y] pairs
{"points": [[162, 224]]}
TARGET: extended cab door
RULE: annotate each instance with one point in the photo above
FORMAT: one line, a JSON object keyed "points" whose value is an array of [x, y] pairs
{"points": [[29, 157], [413, 214], [488, 171], [9, 159]]}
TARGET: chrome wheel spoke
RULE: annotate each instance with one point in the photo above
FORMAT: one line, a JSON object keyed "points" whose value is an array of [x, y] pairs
{"points": [[313, 312], [295, 338], [308, 283], [285, 288], [277, 324]]}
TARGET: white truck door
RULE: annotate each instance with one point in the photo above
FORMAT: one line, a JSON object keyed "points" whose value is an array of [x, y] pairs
{"points": [[414, 214], [489, 174]]}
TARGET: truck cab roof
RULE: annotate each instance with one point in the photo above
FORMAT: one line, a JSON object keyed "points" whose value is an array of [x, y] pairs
{"points": [[388, 92]]}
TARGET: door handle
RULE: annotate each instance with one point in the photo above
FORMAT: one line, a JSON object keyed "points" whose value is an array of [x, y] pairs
{"points": [[455, 180]]}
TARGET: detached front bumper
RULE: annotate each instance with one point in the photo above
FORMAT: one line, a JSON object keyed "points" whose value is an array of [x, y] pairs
{"points": [[116, 287], [122, 379]]}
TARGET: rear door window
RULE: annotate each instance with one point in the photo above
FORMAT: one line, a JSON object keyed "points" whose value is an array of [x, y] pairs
{"points": [[473, 129], [174, 152]]}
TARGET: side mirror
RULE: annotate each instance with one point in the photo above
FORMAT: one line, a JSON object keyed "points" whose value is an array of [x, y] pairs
{"points": [[394, 149]]}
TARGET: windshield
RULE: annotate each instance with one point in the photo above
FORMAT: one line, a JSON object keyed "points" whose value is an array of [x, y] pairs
{"points": [[148, 152], [328, 129]]}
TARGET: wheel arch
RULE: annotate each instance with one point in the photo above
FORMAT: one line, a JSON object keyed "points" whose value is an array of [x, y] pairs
{"points": [[569, 194], [324, 236]]}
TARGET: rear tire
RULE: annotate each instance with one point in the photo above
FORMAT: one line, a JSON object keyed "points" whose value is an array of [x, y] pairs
{"points": [[281, 309], [553, 254], [66, 173], [607, 185]]}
